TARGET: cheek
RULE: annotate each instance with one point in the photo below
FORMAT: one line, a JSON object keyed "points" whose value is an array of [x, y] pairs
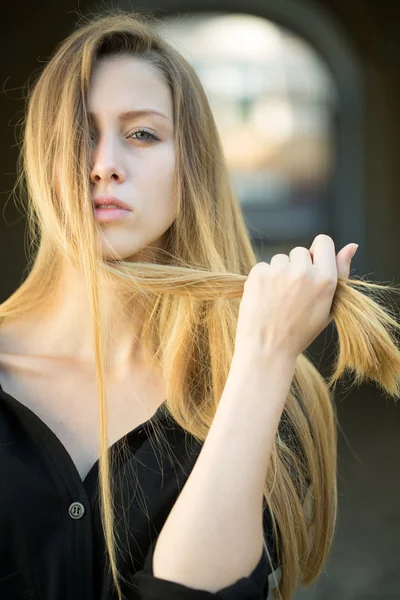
{"points": [[158, 175], [164, 166]]}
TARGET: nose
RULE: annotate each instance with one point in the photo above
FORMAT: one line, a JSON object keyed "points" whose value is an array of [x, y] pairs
{"points": [[106, 164]]}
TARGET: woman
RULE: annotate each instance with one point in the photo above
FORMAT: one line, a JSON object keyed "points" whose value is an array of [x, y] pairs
{"points": [[148, 328]]}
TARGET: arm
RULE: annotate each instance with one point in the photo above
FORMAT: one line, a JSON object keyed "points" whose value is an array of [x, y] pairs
{"points": [[214, 534]]}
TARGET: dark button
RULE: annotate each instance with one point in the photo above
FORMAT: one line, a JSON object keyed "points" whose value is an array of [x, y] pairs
{"points": [[76, 510]]}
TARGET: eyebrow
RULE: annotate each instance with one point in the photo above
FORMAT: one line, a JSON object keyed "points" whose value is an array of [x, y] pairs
{"points": [[134, 114]]}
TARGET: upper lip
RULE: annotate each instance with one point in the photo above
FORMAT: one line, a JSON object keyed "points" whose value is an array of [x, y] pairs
{"points": [[110, 200]]}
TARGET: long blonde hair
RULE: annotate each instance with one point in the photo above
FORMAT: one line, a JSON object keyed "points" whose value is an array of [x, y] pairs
{"points": [[193, 294]]}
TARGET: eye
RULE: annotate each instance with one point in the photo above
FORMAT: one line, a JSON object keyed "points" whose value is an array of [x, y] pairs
{"points": [[149, 135]]}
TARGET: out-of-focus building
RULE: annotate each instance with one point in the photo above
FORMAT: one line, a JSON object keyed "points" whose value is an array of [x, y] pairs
{"points": [[275, 103]]}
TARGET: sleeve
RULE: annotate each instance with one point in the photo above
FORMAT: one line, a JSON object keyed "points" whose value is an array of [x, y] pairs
{"points": [[256, 586], [149, 587]]}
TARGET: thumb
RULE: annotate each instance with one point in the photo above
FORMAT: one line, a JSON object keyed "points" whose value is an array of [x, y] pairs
{"points": [[343, 260]]}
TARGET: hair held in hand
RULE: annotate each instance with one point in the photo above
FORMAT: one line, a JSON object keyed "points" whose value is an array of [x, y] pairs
{"points": [[192, 294]]}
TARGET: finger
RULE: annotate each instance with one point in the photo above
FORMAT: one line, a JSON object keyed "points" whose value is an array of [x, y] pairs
{"points": [[279, 259], [323, 255], [343, 261], [300, 255]]}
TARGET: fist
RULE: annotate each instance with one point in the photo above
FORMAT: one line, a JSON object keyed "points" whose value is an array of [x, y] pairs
{"points": [[287, 303]]}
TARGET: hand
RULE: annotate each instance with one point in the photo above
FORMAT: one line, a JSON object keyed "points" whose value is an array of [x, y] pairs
{"points": [[287, 303]]}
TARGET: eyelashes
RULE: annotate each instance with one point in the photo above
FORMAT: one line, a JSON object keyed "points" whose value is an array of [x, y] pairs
{"points": [[151, 136], [148, 132]]}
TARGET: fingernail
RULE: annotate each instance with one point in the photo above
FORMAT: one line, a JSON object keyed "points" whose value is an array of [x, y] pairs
{"points": [[353, 250]]}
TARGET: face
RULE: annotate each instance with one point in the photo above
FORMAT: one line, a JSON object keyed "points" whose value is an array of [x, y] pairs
{"points": [[133, 158]]}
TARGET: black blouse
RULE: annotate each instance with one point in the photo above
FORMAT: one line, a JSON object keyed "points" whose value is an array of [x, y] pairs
{"points": [[51, 539]]}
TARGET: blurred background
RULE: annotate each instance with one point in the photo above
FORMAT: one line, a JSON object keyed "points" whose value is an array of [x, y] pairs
{"points": [[306, 96]]}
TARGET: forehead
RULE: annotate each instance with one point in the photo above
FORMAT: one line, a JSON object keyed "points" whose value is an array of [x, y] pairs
{"points": [[123, 83]]}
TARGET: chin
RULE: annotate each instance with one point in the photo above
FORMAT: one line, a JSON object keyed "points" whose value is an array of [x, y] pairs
{"points": [[119, 246]]}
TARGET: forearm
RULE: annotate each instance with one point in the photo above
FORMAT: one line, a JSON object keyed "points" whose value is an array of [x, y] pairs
{"points": [[213, 535]]}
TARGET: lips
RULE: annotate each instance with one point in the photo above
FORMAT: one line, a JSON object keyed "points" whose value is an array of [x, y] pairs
{"points": [[105, 200]]}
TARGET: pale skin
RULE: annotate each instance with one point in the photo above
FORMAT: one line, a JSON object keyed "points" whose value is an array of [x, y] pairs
{"points": [[213, 535], [139, 171]]}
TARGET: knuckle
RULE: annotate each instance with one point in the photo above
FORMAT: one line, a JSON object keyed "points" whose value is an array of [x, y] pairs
{"points": [[281, 254], [257, 271], [260, 267], [298, 275], [326, 283], [325, 236], [301, 272], [278, 269], [299, 248]]}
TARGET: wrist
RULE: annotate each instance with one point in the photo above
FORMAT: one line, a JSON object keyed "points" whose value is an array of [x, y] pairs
{"points": [[259, 380], [260, 357]]}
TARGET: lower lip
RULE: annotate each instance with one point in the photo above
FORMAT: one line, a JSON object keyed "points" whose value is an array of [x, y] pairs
{"points": [[111, 214]]}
